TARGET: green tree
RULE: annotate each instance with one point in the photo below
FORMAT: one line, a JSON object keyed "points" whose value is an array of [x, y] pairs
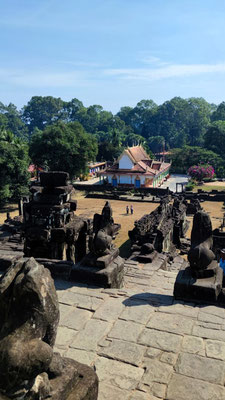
{"points": [[10, 119], [64, 147], [183, 158], [156, 143], [170, 121], [219, 113], [199, 120], [42, 111], [14, 162], [71, 110], [139, 117], [214, 138], [107, 151]]}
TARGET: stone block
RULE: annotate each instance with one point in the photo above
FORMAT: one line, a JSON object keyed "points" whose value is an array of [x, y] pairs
{"points": [[137, 311], [193, 344], [215, 349], [77, 382], [88, 338], [109, 277], [160, 340], [104, 261], [204, 290], [157, 372], [110, 392], [126, 330], [206, 369], [146, 258], [182, 388], [85, 387], [119, 374], [54, 178], [130, 353], [109, 310], [171, 323]]}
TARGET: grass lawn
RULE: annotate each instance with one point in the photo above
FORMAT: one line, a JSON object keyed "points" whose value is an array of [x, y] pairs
{"points": [[209, 188]]}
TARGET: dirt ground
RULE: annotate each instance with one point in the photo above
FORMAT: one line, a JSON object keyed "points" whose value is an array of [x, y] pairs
{"points": [[12, 208], [215, 211], [216, 183], [89, 207]]}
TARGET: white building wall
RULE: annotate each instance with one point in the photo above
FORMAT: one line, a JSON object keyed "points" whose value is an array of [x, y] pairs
{"points": [[125, 162], [125, 179], [142, 179], [109, 178]]}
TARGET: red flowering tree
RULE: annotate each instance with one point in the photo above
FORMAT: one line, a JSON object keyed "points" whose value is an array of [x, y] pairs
{"points": [[199, 172]]}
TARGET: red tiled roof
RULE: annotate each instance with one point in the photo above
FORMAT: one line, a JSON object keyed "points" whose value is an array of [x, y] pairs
{"points": [[138, 153], [142, 163]]}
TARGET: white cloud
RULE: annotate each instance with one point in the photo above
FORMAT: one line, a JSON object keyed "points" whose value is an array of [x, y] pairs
{"points": [[169, 71], [37, 79], [150, 60]]}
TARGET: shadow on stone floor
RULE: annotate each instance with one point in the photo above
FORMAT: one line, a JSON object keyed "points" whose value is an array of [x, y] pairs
{"points": [[157, 300], [64, 285]]}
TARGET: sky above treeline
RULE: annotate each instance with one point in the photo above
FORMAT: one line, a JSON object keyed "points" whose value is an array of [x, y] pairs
{"points": [[112, 52]]}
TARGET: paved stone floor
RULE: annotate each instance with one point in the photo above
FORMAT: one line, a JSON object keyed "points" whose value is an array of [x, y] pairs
{"points": [[142, 343]]}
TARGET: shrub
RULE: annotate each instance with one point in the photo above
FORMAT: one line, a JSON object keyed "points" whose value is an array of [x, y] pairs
{"points": [[199, 172]]}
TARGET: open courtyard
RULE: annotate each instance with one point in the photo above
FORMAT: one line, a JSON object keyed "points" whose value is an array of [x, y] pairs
{"points": [[143, 344]]}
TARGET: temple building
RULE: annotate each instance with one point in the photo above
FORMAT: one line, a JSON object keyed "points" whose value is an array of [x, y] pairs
{"points": [[134, 168]]}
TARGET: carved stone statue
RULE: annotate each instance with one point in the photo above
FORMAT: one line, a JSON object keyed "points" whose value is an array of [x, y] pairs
{"points": [[201, 255], [104, 230], [29, 315]]}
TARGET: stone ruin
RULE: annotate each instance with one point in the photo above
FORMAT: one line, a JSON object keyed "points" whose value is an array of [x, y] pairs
{"points": [[193, 206], [202, 279], [72, 247], [29, 313], [102, 265], [160, 231], [51, 228]]}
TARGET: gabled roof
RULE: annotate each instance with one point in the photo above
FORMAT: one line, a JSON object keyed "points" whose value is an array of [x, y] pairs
{"points": [[135, 153], [141, 163], [138, 153]]}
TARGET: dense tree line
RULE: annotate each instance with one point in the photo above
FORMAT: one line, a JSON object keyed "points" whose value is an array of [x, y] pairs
{"points": [[65, 134]]}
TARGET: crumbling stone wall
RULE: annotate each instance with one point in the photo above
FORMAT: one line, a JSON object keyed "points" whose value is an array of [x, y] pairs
{"points": [[163, 227]]}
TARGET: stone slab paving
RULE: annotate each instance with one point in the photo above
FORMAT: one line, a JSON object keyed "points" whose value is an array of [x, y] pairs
{"points": [[142, 343]]}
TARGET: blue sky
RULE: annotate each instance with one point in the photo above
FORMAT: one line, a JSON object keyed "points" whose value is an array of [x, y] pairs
{"points": [[112, 52]]}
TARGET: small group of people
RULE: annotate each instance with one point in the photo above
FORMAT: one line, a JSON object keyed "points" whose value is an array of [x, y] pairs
{"points": [[131, 209]]}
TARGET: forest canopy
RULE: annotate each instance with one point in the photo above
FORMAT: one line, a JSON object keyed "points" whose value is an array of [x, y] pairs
{"points": [[60, 134]]}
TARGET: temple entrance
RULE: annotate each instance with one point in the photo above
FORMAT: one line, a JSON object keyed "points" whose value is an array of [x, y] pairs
{"points": [[137, 183], [114, 182]]}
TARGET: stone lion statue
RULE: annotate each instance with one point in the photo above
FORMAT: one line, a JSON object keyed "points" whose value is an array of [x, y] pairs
{"points": [[29, 315], [201, 255]]}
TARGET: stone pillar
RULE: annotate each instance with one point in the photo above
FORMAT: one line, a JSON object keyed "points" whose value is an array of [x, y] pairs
{"points": [[20, 206]]}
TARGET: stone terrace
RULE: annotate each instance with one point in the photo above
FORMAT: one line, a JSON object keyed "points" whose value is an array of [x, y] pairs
{"points": [[143, 344]]}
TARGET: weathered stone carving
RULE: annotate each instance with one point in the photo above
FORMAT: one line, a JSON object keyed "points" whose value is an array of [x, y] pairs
{"points": [[51, 228], [29, 315], [202, 279], [102, 265], [163, 227], [201, 255], [104, 230], [193, 206]]}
